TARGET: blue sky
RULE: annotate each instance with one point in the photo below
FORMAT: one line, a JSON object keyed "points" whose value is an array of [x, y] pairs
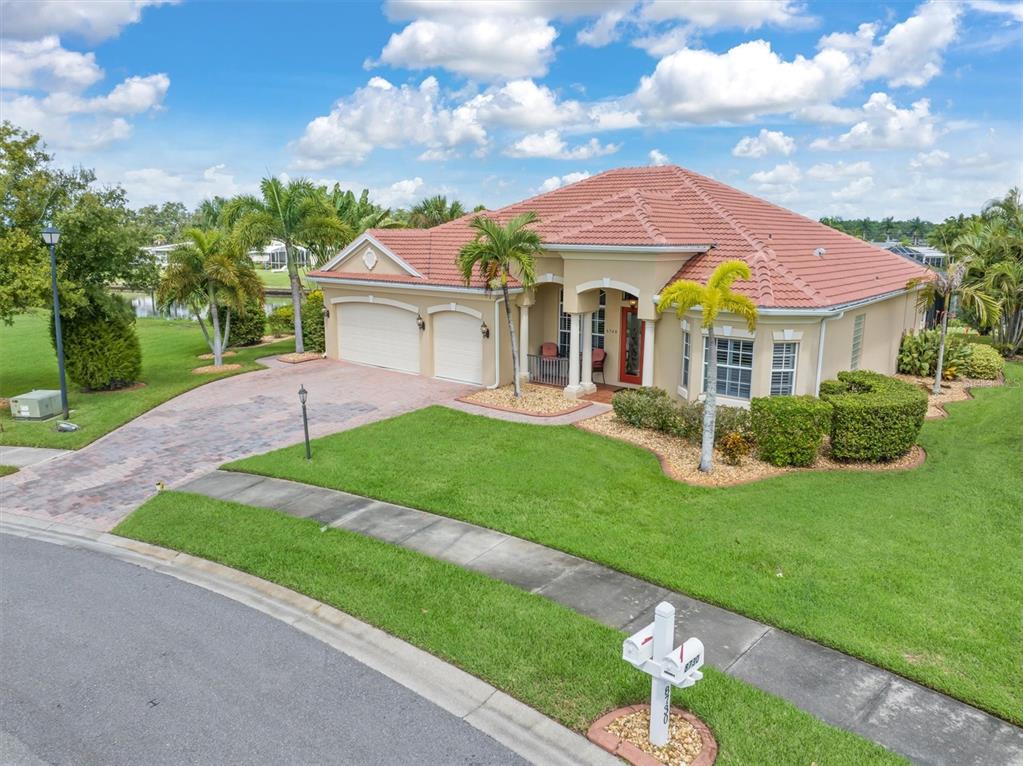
{"points": [[827, 108]]}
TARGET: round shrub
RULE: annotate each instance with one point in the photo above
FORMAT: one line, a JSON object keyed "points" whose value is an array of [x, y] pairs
{"points": [[789, 429], [985, 363], [101, 349], [313, 322], [734, 447], [874, 417], [726, 420], [246, 329], [646, 408], [281, 320]]}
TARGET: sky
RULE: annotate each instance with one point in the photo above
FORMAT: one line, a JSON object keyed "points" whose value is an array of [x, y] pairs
{"points": [[833, 108]]}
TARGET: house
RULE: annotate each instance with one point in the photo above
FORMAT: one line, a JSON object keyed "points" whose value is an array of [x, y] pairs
{"points": [[928, 256], [272, 256], [827, 301]]}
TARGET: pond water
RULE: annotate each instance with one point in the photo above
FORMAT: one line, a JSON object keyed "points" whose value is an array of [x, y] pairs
{"points": [[143, 305]]}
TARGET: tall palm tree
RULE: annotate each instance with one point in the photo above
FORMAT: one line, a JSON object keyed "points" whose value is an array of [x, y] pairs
{"points": [[954, 284], [887, 228], [209, 214], [434, 211], [212, 271], [713, 298], [295, 214], [494, 254]]}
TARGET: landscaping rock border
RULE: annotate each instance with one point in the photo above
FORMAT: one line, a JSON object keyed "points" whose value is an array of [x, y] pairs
{"points": [[296, 358], [600, 734], [558, 405]]}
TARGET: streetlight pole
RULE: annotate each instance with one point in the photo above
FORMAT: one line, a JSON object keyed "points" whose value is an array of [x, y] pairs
{"points": [[51, 237], [302, 396]]}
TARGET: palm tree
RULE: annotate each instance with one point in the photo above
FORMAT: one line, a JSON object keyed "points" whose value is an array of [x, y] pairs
{"points": [[916, 229], [497, 251], [887, 228], [212, 271], [209, 214], [954, 283], [714, 297], [297, 216], [434, 211]]}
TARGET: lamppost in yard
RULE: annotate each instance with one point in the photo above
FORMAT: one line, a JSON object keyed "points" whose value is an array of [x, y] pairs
{"points": [[51, 237], [302, 396]]}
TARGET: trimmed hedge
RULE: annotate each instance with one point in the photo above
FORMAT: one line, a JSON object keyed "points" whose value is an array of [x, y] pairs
{"points": [[985, 362], [101, 349], [652, 408], [789, 429], [281, 320], [313, 322], [246, 329], [874, 418]]}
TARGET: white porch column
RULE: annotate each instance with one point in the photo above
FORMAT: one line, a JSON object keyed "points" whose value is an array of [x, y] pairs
{"points": [[586, 377], [648, 352], [524, 342], [573, 389]]}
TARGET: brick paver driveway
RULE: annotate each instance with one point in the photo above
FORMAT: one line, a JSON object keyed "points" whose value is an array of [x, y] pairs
{"points": [[194, 433]]}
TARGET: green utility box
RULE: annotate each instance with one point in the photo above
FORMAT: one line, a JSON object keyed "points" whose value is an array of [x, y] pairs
{"points": [[36, 405]]}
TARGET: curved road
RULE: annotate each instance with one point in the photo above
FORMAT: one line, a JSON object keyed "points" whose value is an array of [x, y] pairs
{"points": [[102, 662]]}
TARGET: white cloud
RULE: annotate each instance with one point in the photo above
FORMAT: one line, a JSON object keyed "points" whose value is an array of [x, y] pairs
{"points": [[146, 186], [825, 171], [603, 31], [556, 182], [858, 42], [383, 115], [550, 144], [661, 44], [745, 82], [91, 20], [854, 189], [658, 157], [779, 175], [611, 116], [399, 194], [829, 114], [524, 104], [44, 64], [932, 159], [910, 53], [767, 142], [1013, 10], [745, 14], [885, 126], [485, 48]]}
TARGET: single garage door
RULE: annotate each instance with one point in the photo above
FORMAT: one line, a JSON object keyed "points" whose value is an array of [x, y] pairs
{"points": [[385, 336], [457, 347]]}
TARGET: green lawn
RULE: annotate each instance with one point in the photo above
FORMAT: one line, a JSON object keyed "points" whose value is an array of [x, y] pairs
{"points": [[916, 571], [560, 663], [169, 353], [7, 470], [280, 279]]}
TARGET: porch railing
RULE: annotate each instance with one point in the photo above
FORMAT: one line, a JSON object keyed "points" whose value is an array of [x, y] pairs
{"points": [[548, 369]]}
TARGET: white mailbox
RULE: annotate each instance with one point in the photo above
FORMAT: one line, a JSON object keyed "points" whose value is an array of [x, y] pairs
{"points": [[650, 650]]}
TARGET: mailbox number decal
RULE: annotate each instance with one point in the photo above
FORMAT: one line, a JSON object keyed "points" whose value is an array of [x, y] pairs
{"points": [[667, 702], [690, 664]]}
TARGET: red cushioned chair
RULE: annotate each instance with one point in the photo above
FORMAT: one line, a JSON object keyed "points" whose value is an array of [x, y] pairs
{"points": [[599, 355], [549, 350]]}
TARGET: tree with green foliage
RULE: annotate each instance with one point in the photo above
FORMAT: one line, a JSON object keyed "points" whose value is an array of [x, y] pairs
{"points": [[163, 224], [295, 214], [496, 254], [357, 213], [101, 347], [209, 273], [713, 298], [433, 211]]}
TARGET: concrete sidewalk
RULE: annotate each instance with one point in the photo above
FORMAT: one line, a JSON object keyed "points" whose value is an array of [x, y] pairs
{"points": [[924, 725], [22, 457]]}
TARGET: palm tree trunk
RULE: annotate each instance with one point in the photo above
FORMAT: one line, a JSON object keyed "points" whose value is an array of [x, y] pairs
{"points": [[511, 332], [710, 403], [218, 349], [936, 388], [227, 330], [296, 295]]}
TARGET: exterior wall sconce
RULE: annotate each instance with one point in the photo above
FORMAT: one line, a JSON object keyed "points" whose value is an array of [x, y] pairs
{"points": [[326, 313], [484, 330], [420, 322]]}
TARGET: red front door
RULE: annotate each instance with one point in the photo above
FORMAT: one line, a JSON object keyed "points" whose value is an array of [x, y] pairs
{"points": [[630, 365]]}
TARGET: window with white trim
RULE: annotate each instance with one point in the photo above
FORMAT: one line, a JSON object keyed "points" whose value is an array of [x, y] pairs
{"points": [[734, 359], [857, 341], [686, 354], [783, 369], [565, 325], [597, 325]]}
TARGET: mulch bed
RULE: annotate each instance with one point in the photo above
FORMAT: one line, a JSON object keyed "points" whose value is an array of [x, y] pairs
{"points": [[538, 401], [210, 356], [951, 391], [305, 356], [210, 369], [624, 732]]}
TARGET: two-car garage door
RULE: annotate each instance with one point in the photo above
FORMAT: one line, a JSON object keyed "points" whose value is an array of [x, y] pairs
{"points": [[386, 336]]}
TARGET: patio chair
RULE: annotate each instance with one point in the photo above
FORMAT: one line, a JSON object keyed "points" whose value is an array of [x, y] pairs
{"points": [[599, 355], [549, 350]]}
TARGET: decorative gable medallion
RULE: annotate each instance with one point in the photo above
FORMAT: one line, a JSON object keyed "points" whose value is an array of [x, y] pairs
{"points": [[369, 258]]}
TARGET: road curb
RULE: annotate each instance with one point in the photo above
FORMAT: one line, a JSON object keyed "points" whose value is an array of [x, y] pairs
{"points": [[515, 725]]}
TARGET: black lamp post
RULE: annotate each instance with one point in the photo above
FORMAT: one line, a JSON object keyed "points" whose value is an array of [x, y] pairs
{"points": [[51, 237], [302, 396]]}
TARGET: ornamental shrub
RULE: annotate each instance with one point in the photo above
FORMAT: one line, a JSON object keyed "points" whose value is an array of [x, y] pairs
{"points": [[789, 429], [246, 329], [281, 320], [918, 353], [726, 420], [874, 417], [646, 408], [734, 447], [101, 349], [313, 322], [985, 363]]}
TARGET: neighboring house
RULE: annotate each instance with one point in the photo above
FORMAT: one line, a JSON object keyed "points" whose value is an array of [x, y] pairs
{"points": [[928, 256], [828, 301], [160, 252], [273, 256]]}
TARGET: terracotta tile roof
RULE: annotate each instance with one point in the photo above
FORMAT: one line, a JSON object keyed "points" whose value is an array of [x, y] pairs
{"points": [[670, 206]]}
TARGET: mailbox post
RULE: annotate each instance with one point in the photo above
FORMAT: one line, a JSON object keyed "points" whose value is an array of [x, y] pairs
{"points": [[651, 650]]}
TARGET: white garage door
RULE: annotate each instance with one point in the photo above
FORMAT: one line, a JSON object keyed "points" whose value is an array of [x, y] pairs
{"points": [[372, 333], [457, 347]]}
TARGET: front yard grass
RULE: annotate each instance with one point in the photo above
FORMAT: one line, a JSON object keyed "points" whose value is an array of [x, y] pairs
{"points": [[169, 354], [7, 470], [561, 663], [916, 571]]}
